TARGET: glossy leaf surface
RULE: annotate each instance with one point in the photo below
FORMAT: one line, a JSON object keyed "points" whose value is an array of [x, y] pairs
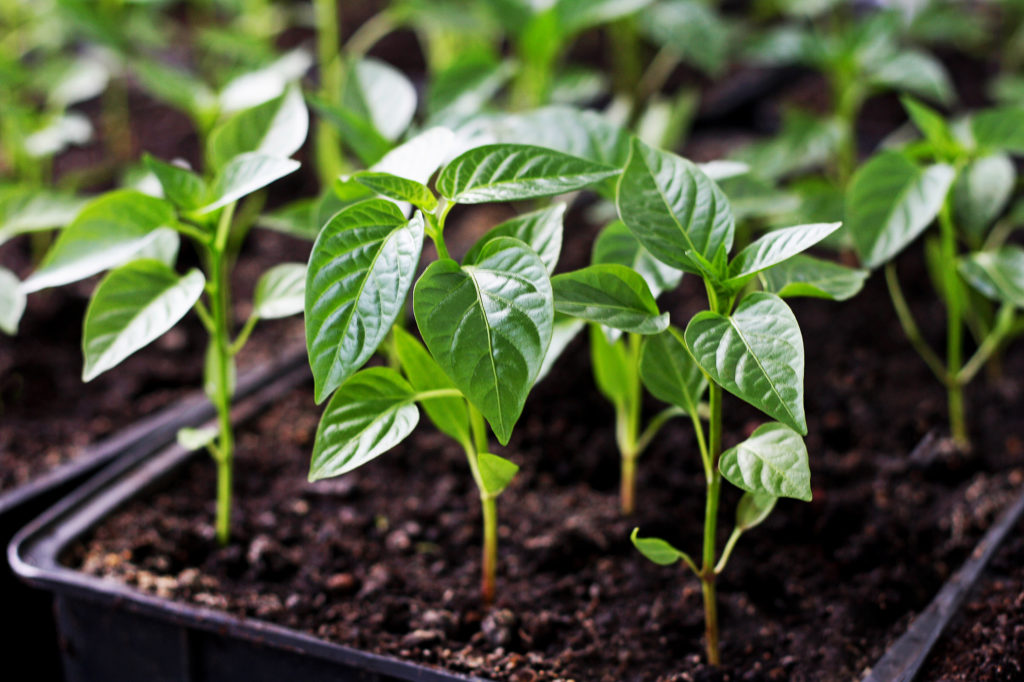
{"points": [[449, 414], [669, 371], [280, 291], [540, 230], [773, 461], [804, 275], [998, 274], [611, 295]]}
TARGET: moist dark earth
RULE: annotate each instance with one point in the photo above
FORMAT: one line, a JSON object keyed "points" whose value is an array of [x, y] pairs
{"points": [[387, 558]]}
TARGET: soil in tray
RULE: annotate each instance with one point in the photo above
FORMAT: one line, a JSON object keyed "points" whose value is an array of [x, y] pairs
{"points": [[985, 642], [386, 559], [47, 415]]}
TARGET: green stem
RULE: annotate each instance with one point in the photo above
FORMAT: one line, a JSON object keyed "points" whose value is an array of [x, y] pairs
{"points": [[910, 329], [954, 328], [220, 311], [628, 426], [707, 574], [330, 161], [847, 97], [488, 507], [989, 346], [730, 544], [651, 82], [627, 484]]}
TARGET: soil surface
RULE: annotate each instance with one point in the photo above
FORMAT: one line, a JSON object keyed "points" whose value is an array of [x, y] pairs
{"points": [[387, 558]]}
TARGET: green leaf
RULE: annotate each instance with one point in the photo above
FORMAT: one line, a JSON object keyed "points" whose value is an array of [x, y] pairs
{"points": [[398, 188], [419, 157], [448, 414], [280, 291], [275, 128], [133, 306], [773, 461], [692, 30], [804, 275], [12, 302], [616, 244], [656, 549], [358, 133], [370, 414], [193, 439], [360, 271], [929, 122], [540, 230], [182, 187], [914, 72], [465, 87], [612, 295], [33, 210], [488, 325], [382, 95], [1001, 128], [777, 246], [998, 274], [510, 172], [753, 509], [613, 369], [757, 354], [981, 192], [110, 230], [672, 208], [890, 202], [245, 174], [297, 219], [669, 371], [495, 472], [578, 15]]}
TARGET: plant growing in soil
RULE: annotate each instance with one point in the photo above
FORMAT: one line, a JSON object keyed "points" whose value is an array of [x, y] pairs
{"points": [[963, 176], [136, 236], [486, 322], [747, 343]]}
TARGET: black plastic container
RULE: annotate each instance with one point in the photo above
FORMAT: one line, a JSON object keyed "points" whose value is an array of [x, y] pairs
{"points": [[113, 633], [27, 624]]}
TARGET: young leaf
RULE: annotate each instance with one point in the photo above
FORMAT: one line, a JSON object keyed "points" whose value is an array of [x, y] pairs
{"points": [[656, 549], [488, 325], [981, 192], [382, 95], [275, 128], [182, 187], [669, 371], [612, 295], [465, 86], [804, 275], [577, 15], [358, 133], [778, 245], [890, 202], [371, 413], [193, 439], [29, 209], [928, 121], [673, 208], [541, 230], [757, 354], [772, 461], [753, 509], [915, 72], [360, 271], [998, 274], [398, 188], [510, 172], [133, 306], [692, 29], [12, 302], [448, 414], [297, 219], [611, 365], [616, 244], [110, 230], [495, 472], [243, 175], [280, 291], [1000, 129]]}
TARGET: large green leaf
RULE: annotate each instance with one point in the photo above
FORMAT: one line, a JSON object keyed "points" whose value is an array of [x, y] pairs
{"points": [[672, 208], [981, 192], [609, 294], [466, 86], [804, 275], [541, 230], [778, 245], [371, 413], [914, 72], [31, 209], [757, 354], [509, 172], [111, 229], [669, 371], [449, 414], [1001, 128], [691, 29], [773, 461], [133, 306], [280, 291], [382, 95], [616, 244], [890, 202], [12, 302], [360, 271], [488, 324], [275, 128], [998, 274], [243, 175]]}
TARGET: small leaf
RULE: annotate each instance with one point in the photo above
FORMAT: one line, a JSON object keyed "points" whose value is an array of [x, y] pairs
{"points": [[280, 291], [673, 208], [578, 15], [928, 121], [890, 202], [981, 192], [382, 95], [656, 549], [757, 354], [133, 306], [691, 29], [488, 325], [297, 219], [778, 245], [29, 209], [772, 461], [804, 275], [370, 414], [753, 509], [612, 295], [12, 302], [182, 187], [540, 230], [998, 274], [669, 371], [360, 271], [243, 175], [193, 439], [398, 188], [1001, 128], [275, 128], [510, 172], [495, 472], [917, 73], [448, 414], [616, 244], [612, 367]]}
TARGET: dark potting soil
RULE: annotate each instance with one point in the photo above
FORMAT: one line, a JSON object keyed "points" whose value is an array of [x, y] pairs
{"points": [[386, 559], [48, 416]]}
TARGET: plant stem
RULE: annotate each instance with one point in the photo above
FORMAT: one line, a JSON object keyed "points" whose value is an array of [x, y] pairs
{"points": [[627, 485], [628, 427], [330, 162], [906, 318], [707, 573], [954, 329], [488, 507], [220, 338]]}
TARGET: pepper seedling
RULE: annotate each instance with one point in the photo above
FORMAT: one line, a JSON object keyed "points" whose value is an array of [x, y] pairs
{"points": [[486, 322], [747, 343], [963, 177], [136, 236]]}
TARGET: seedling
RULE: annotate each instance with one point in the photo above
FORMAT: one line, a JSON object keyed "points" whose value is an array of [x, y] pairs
{"points": [[963, 176], [486, 322]]}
